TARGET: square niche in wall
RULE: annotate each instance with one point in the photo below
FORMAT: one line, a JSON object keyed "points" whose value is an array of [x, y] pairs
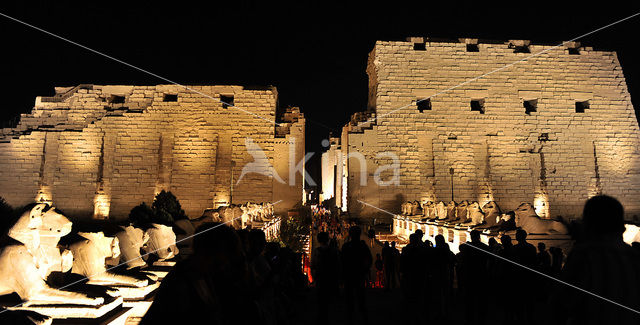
{"points": [[423, 104], [530, 106], [582, 106], [227, 100], [477, 105]]}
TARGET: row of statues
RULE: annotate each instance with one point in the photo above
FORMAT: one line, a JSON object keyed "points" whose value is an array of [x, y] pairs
{"points": [[241, 216], [488, 217], [31, 251]]}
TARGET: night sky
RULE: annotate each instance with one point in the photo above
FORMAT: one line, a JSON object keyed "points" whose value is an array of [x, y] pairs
{"points": [[314, 52]]}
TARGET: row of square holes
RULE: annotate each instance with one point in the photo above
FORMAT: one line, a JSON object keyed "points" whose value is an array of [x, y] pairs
{"points": [[226, 100], [477, 105], [475, 48]]}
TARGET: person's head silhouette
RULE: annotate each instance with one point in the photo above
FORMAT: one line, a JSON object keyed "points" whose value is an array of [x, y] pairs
{"points": [[323, 238], [440, 241], [414, 238], [521, 235], [506, 240], [542, 247], [475, 236], [355, 232], [393, 244], [603, 216]]}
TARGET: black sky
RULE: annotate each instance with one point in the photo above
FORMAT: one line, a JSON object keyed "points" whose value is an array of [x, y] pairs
{"points": [[314, 52]]}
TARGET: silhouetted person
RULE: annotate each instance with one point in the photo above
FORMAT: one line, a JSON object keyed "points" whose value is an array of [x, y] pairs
{"points": [[210, 286], [603, 265], [258, 264], [389, 258], [494, 247], [325, 265], [543, 264], [413, 270], [356, 261], [504, 276], [544, 259], [557, 260], [379, 271], [525, 280], [473, 275], [442, 278]]}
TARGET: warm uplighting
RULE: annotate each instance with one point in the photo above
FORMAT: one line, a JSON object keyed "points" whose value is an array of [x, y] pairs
{"points": [[631, 233], [44, 195], [101, 205], [541, 204]]}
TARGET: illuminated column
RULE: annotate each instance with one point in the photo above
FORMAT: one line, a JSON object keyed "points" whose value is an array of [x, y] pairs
{"points": [[102, 198], [48, 163]]}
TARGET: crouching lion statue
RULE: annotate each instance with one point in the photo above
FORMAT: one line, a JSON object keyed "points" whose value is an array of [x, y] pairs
{"points": [[528, 219], [25, 262]]}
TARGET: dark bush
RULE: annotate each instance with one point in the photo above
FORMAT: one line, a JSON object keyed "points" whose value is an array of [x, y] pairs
{"points": [[165, 210], [166, 202], [141, 215]]}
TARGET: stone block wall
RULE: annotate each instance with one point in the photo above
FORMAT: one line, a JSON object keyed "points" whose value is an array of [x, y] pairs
{"points": [[100, 150], [555, 157]]}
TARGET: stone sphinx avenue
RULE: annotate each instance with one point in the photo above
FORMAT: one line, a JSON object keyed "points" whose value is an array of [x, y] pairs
{"points": [[92, 277], [456, 220]]}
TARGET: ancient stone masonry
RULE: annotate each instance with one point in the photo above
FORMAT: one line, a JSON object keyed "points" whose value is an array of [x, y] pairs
{"points": [[101, 150], [552, 130]]}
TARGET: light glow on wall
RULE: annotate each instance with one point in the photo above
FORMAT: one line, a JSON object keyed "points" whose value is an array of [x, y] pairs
{"points": [[101, 206], [541, 205], [44, 195]]}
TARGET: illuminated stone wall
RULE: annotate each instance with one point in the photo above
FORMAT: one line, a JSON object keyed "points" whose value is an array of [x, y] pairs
{"points": [[332, 172], [100, 150], [554, 157]]}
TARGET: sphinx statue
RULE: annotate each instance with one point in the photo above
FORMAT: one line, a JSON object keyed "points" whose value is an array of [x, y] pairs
{"points": [[49, 255], [416, 208], [230, 215], [475, 216], [162, 241], [131, 240], [264, 212], [528, 219], [24, 266], [492, 215], [89, 259], [507, 222], [247, 215], [441, 211], [270, 211], [462, 214], [428, 210], [404, 208], [451, 211]]}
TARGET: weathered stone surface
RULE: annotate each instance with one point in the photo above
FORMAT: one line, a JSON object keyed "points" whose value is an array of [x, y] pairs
{"points": [[530, 143], [101, 150]]}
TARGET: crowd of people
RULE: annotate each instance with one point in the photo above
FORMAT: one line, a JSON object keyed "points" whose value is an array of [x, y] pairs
{"points": [[430, 274], [325, 220], [236, 277], [232, 277], [502, 281]]}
